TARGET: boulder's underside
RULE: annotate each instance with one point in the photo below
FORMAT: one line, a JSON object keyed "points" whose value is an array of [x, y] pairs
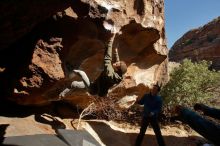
{"points": [[43, 41]]}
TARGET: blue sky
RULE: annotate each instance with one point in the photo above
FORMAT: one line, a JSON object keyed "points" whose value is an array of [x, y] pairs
{"points": [[183, 15]]}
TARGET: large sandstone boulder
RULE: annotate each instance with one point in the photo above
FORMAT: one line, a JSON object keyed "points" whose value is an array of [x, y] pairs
{"points": [[37, 65], [198, 44], [20, 17]]}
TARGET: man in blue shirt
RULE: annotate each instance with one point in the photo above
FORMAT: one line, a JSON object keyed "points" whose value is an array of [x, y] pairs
{"points": [[152, 107]]}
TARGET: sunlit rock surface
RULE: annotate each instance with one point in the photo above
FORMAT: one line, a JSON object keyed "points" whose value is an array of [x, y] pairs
{"points": [[37, 64], [202, 43]]}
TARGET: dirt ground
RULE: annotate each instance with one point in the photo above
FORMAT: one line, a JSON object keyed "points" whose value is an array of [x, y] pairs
{"points": [[19, 121], [114, 134], [108, 133]]}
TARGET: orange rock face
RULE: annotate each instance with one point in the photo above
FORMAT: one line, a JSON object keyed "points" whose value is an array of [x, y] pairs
{"points": [[75, 38], [202, 43]]}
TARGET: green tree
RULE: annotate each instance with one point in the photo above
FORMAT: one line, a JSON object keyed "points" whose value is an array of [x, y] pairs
{"points": [[190, 83]]}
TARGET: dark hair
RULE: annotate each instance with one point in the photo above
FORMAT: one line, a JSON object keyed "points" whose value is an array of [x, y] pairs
{"points": [[158, 87], [122, 69]]}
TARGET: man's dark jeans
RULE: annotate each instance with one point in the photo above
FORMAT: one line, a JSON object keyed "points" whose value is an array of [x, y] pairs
{"points": [[144, 124]]}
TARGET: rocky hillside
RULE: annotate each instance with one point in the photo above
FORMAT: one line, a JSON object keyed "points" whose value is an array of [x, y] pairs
{"points": [[43, 41], [202, 43]]}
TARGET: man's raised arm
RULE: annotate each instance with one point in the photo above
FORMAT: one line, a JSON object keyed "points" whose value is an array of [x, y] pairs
{"points": [[108, 56], [108, 51]]}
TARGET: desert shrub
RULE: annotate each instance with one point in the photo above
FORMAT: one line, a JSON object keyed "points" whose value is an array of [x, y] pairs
{"points": [[211, 38], [190, 83], [104, 108], [188, 42], [107, 109]]}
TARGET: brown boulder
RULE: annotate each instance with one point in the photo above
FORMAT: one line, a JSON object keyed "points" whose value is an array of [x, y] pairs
{"points": [[48, 65]]}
